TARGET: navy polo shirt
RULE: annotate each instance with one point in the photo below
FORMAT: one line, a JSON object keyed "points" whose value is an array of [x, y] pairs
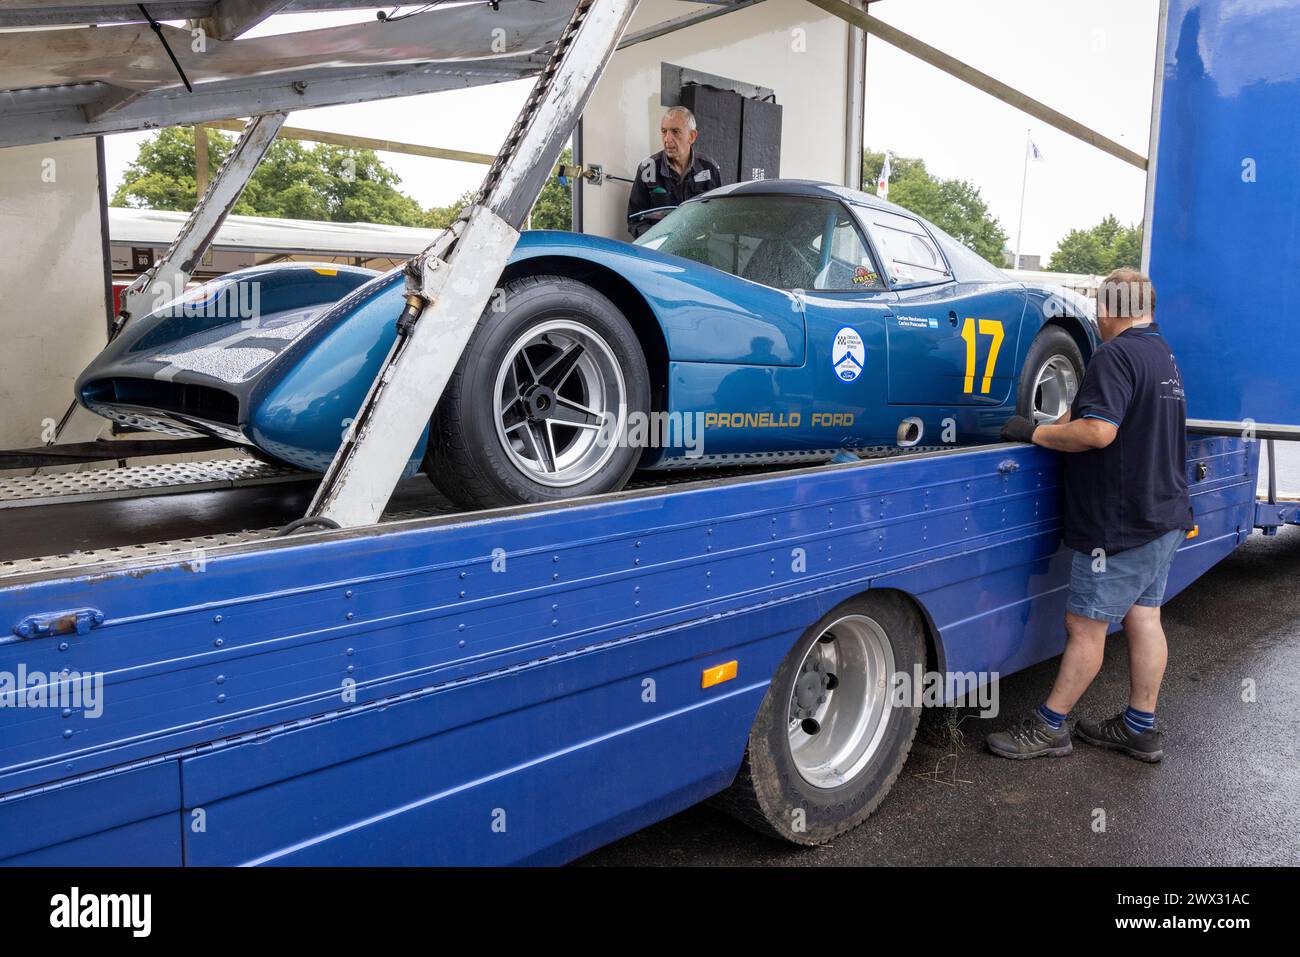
{"points": [[1135, 489]]}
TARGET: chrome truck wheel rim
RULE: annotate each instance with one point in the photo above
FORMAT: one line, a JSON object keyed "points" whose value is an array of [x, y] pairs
{"points": [[559, 399], [1055, 387], [839, 707]]}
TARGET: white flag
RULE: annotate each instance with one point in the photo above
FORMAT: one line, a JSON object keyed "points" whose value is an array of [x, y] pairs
{"points": [[1034, 152], [882, 184]]}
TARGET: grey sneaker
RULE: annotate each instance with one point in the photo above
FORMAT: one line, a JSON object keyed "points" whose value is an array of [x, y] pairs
{"points": [[1114, 734], [1031, 738]]}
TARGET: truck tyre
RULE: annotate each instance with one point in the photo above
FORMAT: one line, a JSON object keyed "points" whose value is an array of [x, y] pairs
{"points": [[828, 741], [537, 408], [1050, 376]]}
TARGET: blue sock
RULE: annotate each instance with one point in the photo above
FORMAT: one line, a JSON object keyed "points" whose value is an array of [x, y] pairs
{"points": [[1053, 719], [1139, 721]]}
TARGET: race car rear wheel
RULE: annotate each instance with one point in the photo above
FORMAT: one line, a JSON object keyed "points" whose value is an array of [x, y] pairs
{"points": [[1050, 377], [539, 405]]}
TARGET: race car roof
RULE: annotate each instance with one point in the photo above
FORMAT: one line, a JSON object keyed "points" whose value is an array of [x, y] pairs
{"points": [[807, 187], [966, 265]]}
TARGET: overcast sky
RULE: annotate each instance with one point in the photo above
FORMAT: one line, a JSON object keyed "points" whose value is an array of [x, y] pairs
{"points": [[1093, 60]]}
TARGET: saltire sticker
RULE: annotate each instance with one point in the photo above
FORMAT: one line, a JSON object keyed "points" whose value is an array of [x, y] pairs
{"points": [[848, 354]]}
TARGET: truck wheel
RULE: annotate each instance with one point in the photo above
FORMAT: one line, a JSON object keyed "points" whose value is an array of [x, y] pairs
{"points": [[1050, 377], [544, 384], [828, 741]]}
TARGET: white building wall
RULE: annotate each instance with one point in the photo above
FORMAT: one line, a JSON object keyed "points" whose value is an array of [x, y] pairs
{"points": [[790, 46], [52, 309]]}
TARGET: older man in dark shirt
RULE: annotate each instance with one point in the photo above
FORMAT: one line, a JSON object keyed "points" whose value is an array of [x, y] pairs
{"points": [[671, 176]]}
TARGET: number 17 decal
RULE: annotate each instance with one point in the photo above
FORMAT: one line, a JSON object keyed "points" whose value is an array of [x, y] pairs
{"points": [[987, 327]]}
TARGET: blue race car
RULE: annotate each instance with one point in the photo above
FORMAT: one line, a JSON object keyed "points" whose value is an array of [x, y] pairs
{"points": [[768, 321]]}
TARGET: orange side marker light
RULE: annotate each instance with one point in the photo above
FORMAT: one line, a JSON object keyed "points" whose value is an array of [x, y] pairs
{"points": [[718, 674]]}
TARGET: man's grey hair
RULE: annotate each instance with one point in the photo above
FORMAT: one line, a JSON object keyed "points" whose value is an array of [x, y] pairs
{"points": [[690, 117], [1127, 294]]}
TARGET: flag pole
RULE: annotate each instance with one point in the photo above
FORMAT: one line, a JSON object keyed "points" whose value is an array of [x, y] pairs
{"points": [[1024, 179]]}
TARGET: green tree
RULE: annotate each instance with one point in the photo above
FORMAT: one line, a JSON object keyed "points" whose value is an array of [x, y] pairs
{"points": [[295, 181], [298, 181], [554, 207], [1096, 251], [954, 205], [440, 217], [162, 175]]}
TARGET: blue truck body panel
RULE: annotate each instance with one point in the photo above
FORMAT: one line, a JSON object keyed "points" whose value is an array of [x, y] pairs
{"points": [[1224, 231], [385, 696]]}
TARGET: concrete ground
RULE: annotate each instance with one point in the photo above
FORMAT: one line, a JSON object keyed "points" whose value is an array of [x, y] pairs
{"points": [[1227, 793]]}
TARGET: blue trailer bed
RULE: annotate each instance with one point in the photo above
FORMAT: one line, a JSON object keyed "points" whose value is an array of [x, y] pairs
{"points": [[513, 686]]}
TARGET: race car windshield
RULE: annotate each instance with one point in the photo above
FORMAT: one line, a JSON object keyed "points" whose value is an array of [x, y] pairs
{"points": [[787, 242]]}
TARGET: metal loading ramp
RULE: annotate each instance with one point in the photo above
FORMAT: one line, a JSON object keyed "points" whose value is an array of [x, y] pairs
{"points": [[155, 514]]}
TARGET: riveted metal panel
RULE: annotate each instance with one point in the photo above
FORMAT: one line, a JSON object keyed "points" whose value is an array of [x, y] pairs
{"points": [[371, 695]]}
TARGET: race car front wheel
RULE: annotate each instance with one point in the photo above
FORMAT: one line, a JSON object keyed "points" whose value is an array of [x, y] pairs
{"points": [[539, 405], [1050, 377]]}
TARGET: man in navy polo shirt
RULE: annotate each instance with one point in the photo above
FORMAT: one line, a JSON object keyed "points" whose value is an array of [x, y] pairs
{"points": [[1126, 511]]}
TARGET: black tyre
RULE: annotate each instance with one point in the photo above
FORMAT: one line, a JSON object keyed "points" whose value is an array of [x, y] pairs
{"points": [[809, 782], [1050, 377], [538, 406]]}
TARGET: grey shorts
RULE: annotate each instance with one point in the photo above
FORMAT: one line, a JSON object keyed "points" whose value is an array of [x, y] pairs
{"points": [[1133, 577]]}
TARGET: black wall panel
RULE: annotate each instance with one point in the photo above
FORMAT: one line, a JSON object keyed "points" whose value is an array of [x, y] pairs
{"points": [[741, 134], [718, 116], [760, 140]]}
